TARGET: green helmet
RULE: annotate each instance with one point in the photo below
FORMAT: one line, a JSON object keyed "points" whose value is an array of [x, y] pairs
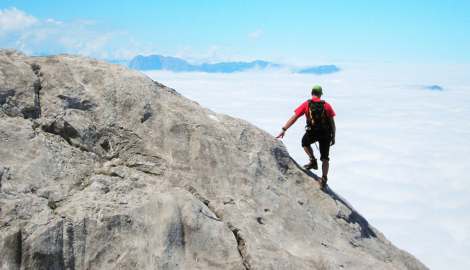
{"points": [[318, 89]]}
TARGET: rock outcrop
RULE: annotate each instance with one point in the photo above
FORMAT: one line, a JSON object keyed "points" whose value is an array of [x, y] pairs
{"points": [[103, 168]]}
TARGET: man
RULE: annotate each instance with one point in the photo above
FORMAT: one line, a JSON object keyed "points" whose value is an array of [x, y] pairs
{"points": [[320, 128]]}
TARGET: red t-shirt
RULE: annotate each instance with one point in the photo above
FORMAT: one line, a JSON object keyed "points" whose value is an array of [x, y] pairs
{"points": [[303, 109]]}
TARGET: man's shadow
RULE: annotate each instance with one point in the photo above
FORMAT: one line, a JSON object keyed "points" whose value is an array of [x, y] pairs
{"points": [[354, 217]]}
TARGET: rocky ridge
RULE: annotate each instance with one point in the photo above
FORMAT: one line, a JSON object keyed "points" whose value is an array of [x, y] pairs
{"points": [[103, 168]]}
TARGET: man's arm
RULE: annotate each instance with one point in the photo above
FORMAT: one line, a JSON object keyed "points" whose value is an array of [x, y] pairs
{"points": [[288, 125], [333, 128]]}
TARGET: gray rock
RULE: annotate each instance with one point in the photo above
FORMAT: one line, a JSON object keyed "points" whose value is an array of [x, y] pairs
{"points": [[102, 168]]}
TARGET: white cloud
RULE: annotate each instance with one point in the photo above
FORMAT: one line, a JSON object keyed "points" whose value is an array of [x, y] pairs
{"points": [[94, 38], [126, 54], [401, 155], [135, 43], [96, 44], [255, 34], [214, 52], [13, 19], [71, 42], [213, 55], [50, 20], [184, 52]]}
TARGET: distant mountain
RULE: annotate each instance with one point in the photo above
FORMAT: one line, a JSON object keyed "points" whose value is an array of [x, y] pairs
{"points": [[434, 87], [159, 62], [319, 70]]}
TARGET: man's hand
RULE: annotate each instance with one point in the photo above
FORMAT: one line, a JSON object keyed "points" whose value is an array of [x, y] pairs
{"points": [[289, 123], [332, 141]]}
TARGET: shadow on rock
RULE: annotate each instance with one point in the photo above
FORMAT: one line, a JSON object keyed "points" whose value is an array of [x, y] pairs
{"points": [[354, 217]]}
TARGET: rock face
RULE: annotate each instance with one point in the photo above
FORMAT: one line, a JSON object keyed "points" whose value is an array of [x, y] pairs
{"points": [[103, 168]]}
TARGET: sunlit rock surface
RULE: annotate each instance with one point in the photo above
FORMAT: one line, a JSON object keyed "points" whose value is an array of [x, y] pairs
{"points": [[102, 168]]}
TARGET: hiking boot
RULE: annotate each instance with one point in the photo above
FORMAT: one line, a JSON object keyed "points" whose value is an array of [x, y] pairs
{"points": [[312, 165], [322, 182]]}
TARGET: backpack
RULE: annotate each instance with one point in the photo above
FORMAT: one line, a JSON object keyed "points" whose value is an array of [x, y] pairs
{"points": [[318, 124]]}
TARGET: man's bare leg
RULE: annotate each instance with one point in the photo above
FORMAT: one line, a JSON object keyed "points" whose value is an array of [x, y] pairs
{"points": [[309, 151], [313, 162], [324, 166]]}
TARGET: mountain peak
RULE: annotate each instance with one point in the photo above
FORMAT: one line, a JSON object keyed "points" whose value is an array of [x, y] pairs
{"points": [[103, 168]]}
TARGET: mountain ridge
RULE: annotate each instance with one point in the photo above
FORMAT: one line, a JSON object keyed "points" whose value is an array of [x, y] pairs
{"points": [[159, 62]]}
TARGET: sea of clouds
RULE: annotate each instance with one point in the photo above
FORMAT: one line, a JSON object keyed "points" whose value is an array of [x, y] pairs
{"points": [[402, 145]]}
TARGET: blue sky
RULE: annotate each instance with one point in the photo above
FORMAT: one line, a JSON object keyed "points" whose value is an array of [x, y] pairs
{"points": [[299, 32]]}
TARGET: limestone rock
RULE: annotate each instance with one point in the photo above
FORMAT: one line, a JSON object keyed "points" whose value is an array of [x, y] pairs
{"points": [[102, 168]]}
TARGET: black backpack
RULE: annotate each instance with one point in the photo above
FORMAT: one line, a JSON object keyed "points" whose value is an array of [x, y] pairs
{"points": [[318, 124]]}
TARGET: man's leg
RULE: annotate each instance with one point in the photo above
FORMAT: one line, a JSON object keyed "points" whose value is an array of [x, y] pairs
{"points": [[308, 149], [325, 154], [306, 142], [306, 146], [325, 166], [325, 158]]}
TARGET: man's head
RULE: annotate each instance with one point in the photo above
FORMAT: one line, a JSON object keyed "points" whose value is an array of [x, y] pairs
{"points": [[317, 91]]}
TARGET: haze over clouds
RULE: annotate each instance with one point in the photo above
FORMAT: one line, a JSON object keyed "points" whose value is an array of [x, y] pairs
{"points": [[401, 156]]}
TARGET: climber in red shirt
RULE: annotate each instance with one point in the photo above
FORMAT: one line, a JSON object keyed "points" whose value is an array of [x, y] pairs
{"points": [[320, 128]]}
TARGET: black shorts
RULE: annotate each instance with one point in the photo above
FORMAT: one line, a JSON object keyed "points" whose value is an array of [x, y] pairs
{"points": [[324, 142]]}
